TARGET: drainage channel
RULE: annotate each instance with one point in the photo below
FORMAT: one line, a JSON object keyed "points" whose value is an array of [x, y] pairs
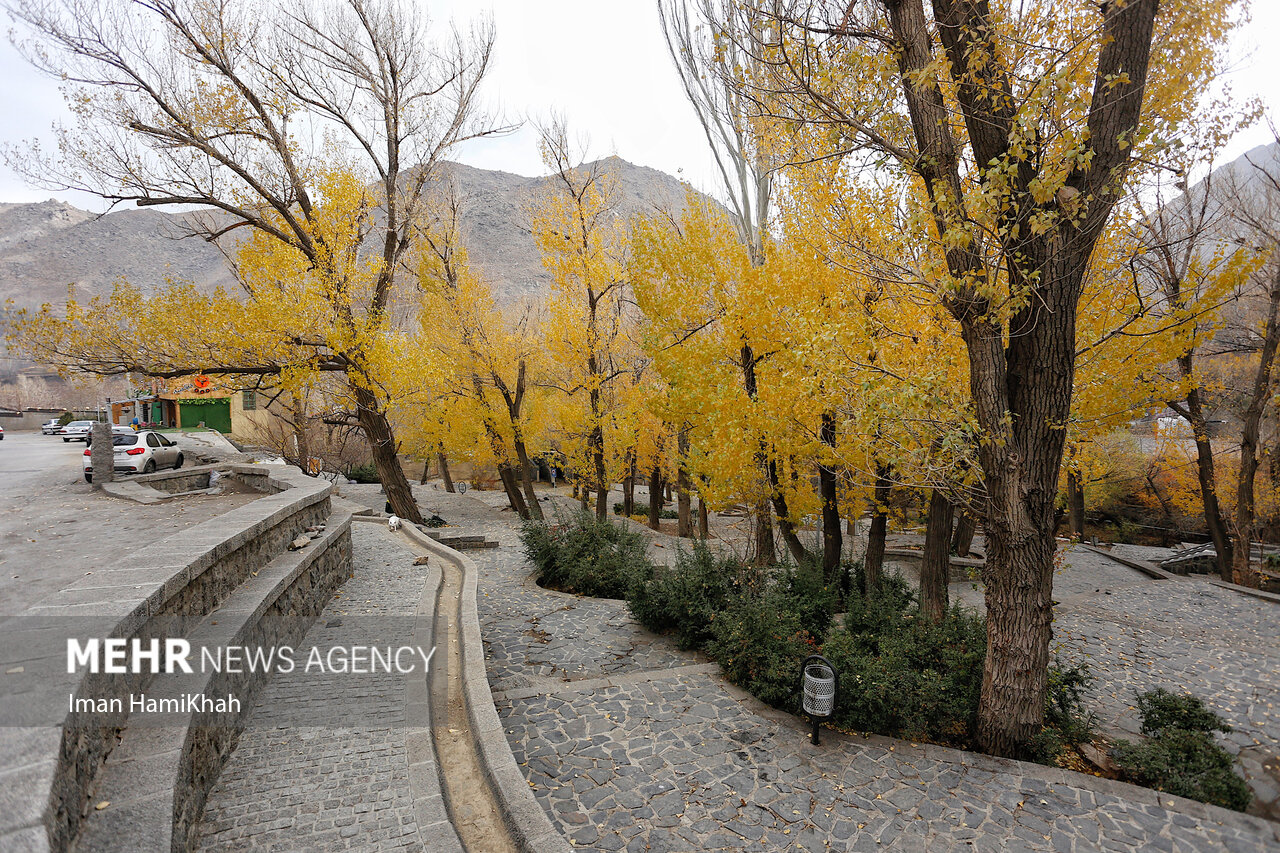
{"points": [[473, 807]]}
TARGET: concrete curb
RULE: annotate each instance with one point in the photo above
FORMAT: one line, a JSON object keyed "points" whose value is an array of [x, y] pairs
{"points": [[1246, 590], [525, 818], [1151, 570]]}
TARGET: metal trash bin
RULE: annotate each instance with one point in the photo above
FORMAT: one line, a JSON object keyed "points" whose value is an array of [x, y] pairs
{"points": [[819, 690]]}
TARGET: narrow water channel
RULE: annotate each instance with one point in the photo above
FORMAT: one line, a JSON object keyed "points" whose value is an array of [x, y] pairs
{"points": [[473, 807]]}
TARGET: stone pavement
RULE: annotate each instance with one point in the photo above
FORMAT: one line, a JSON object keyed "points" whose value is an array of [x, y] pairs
{"points": [[337, 761], [629, 744], [1183, 634]]}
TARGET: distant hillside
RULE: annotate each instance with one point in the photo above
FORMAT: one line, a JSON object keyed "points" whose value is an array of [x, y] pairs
{"points": [[47, 245]]}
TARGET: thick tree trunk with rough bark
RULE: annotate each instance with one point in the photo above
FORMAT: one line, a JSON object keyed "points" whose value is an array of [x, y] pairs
{"points": [[511, 485], [1193, 413], [832, 541], [1021, 391], [533, 508], [703, 520], [873, 563], [382, 445], [1075, 504], [684, 522], [935, 565]]}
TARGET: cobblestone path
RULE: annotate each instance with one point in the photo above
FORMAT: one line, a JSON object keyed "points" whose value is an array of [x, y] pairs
{"points": [[324, 763], [1183, 634], [630, 744]]}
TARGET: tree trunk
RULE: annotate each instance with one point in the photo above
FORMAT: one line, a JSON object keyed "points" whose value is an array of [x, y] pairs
{"points": [[102, 455], [762, 515], [444, 472], [382, 444], [1021, 390], [301, 445], [684, 524], [799, 553], [584, 495], [702, 518], [602, 483], [655, 496], [1193, 413], [962, 542], [426, 472], [1249, 433], [511, 485], [629, 486], [533, 508], [935, 565], [873, 563], [832, 542], [1075, 504]]}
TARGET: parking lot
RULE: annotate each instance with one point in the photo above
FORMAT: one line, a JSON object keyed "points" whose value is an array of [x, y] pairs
{"points": [[54, 528]]}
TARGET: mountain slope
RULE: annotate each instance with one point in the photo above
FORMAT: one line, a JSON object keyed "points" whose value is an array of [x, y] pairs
{"points": [[48, 245]]}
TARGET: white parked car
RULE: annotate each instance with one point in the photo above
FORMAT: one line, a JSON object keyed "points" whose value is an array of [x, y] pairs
{"points": [[76, 431], [142, 452], [84, 431], [50, 427]]}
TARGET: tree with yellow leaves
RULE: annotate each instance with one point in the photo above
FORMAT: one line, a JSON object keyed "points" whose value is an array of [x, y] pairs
{"points": [[489, 362], [1012, 127], [583, 241], [248, 113]]}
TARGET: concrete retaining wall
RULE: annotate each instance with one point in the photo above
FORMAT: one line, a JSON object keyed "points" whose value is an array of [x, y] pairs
{"points": [[281, 620], [184, 578]]}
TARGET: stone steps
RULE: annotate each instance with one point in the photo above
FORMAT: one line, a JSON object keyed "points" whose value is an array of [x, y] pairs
{"points": [[156, 779]]}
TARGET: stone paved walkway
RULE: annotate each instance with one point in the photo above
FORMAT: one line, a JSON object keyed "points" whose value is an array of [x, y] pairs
{"points": [[664, 757], [1184, 634], [324, 763]]}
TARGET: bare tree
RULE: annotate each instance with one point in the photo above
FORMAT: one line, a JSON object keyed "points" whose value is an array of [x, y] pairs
{"points": [[240, 110]]}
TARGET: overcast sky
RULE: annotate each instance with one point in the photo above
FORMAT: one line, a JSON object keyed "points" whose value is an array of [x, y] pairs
{"points": [[602, 64]]}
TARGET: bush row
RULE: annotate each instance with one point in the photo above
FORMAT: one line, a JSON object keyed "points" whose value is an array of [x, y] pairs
{"points": [[900, 674]]}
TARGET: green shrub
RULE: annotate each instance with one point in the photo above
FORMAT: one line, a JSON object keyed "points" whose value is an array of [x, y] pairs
{"points": [[65, 418], [586, 555], [1162, 710], [1181, 757], [684, 599], [803, 591], [1186, 764], [643, 509], [905, 676], [364, 473], [760, 648], [1066, 722]]}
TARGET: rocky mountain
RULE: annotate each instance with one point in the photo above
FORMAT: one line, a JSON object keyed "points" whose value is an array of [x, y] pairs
{"points": [[46, 246]]}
